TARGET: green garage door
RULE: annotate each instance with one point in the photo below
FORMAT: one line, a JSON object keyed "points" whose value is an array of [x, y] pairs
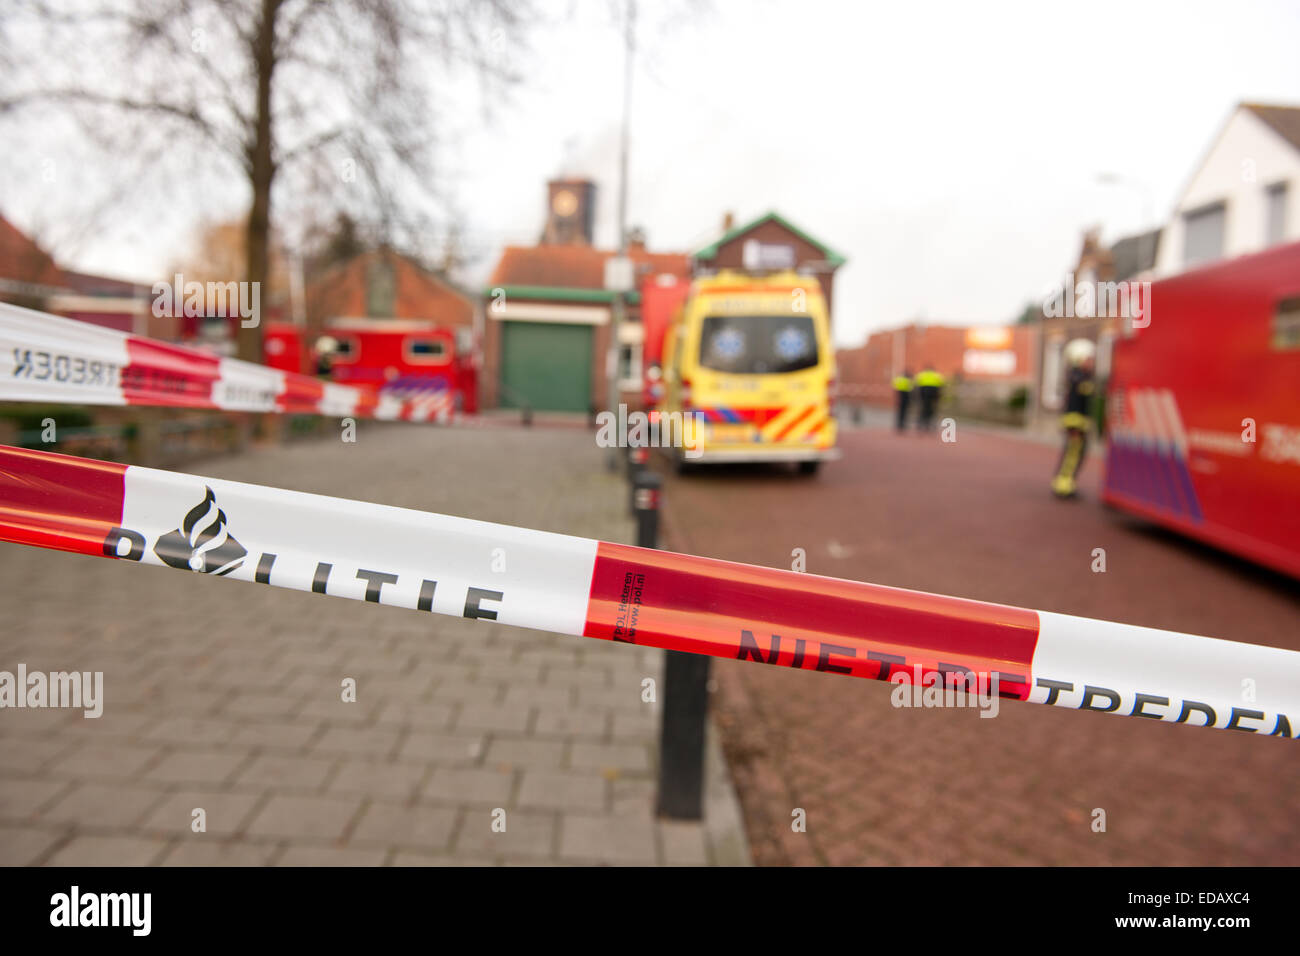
{"points": [[546, 365]]}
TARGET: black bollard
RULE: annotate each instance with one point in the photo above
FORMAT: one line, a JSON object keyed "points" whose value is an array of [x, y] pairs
{"points": [[685, 692], [645, 508], [637, 458]]}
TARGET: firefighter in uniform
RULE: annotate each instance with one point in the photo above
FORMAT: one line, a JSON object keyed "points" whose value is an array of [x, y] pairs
{"points": [[928, 384], [903, 394], [326, 346], [1080, 358]]}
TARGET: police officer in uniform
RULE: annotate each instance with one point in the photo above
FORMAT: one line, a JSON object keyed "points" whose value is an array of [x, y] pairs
{"points": [[1080, 358], [903, 394], [928, 384]]}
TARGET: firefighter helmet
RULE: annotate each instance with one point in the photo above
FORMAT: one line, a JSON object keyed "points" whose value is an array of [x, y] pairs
{"points": [[1078, 351]]}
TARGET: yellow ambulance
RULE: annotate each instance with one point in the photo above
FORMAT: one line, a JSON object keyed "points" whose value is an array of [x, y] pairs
{"points": [[748, 362]]}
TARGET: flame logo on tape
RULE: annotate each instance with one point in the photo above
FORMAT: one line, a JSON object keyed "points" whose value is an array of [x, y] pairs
{"points": [[202, 543]]}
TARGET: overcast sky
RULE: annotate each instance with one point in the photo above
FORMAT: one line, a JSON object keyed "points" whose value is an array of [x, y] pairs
{"points": [[950, 150]]}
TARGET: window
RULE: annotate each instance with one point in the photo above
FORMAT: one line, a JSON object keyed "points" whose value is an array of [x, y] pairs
{"points": [[758, 344], [629, 367], [1275, 212], [346, 349], [1286, 325], [758, 256], [421, 351], [1203, 234]]}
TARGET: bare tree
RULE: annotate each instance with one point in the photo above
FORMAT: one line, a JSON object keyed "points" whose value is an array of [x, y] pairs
{"points": [[285, 91]]}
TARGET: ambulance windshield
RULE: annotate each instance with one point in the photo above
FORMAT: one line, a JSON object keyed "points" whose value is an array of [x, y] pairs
{"points": [[758, 344]]}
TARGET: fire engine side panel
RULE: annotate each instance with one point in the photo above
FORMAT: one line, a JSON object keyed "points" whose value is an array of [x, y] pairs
{"points": [[659, 302], [383, 356], [1204, 410], [282, 347]]}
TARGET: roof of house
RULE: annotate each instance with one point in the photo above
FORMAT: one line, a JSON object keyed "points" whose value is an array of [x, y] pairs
{"points": [[1283, 120], [419, 293], [21, 259], [711, 250], [1135, 254], [573, 272]]}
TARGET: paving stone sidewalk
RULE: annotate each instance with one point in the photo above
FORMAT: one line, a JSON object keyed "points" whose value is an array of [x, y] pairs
{"points": [[225, 696]]}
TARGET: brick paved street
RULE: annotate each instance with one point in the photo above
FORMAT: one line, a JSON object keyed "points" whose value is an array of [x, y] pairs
{"points": [[226, 696], [887, 786]]}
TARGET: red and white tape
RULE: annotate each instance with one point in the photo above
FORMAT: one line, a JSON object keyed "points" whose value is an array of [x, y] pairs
{"points": [[579, 586], [46, 358]]}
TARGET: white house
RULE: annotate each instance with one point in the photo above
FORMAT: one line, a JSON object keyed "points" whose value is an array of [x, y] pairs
{"points": [[1244, 196]]}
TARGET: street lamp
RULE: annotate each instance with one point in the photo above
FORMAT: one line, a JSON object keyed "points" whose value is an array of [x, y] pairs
{"points": [[618, 307]]}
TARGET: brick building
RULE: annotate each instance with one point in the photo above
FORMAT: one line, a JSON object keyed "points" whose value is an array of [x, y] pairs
{"points": [[385, 285], [548, 311], [548, 314], [768, 243], [28, 274], [30, 277], [985, 364], [1087, 315]]}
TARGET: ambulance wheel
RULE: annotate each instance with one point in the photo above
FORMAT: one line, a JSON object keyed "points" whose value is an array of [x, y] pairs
{"points": [[809, 467]]}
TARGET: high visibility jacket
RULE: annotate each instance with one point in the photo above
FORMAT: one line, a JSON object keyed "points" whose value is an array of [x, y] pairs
{"points": [[902, 384], [929, 380]]}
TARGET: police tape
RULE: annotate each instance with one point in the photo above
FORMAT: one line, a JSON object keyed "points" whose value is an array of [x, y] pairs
{"points": [[47, 358], [579, 586]]}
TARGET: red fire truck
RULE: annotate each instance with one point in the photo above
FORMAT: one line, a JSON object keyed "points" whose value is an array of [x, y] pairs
{"points": [[1203, 411], [404, 357], [282, 348], [661, 296]]}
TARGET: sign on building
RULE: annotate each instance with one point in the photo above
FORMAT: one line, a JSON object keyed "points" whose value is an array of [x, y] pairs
{"points": [[758, 256], [619, 274]]}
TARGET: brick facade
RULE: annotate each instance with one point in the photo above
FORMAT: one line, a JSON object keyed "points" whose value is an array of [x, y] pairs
{"points": [[866, 372], [348, 290]]}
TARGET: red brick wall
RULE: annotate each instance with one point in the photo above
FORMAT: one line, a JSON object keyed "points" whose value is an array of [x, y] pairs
{"points": [[868, 370], [731, 253], [490, 375]]}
